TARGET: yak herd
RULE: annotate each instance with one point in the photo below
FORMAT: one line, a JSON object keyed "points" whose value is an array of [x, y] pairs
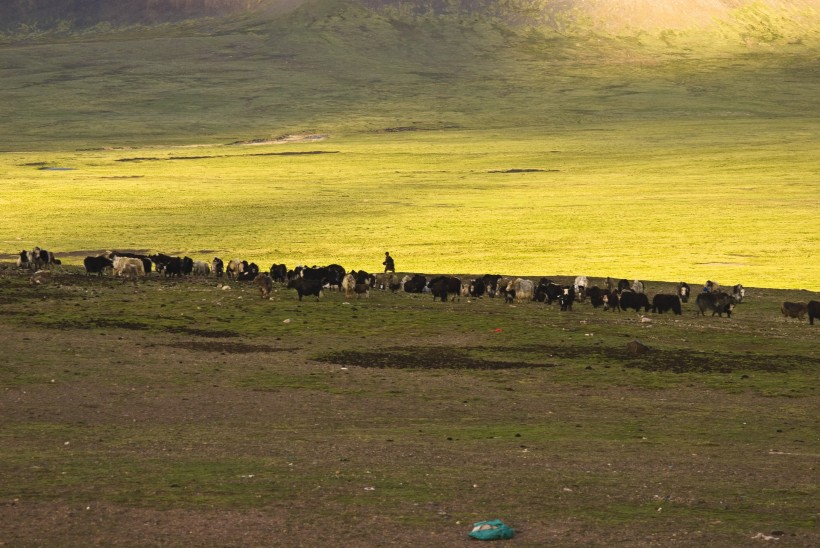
{"points": [[311, 281]]}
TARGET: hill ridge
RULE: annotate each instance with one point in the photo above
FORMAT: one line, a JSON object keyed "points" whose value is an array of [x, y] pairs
{"points": [[613, 16]]}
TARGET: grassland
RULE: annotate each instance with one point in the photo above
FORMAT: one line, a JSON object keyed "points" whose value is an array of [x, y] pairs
{"points": [[606, 202], [677, 155], [177, 412]]}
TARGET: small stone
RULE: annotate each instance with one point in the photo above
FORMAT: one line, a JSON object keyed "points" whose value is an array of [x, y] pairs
{"points": [[636, 347]]}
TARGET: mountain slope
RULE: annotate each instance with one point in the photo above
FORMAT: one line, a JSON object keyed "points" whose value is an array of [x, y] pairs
{"points": [[607, 15], [342, 66], [45, 14]]}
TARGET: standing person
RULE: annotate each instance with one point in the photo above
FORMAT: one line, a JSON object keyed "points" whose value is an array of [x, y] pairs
{"points": [[389, 265]]}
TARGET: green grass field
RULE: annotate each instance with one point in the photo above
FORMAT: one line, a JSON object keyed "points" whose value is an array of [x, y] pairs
{"points": [[605, 203], [176, 412], [669, 156]]}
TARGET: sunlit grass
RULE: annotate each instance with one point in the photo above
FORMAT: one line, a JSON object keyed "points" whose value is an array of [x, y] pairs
{"points": [[624, 201], [675, 155]]}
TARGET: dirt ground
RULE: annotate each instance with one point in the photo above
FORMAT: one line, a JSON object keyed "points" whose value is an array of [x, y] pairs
{"points": [[118, 433]]}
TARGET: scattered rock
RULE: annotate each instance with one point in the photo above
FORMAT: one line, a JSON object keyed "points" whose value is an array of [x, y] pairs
{"points": [[636, 348], [40, 277]]}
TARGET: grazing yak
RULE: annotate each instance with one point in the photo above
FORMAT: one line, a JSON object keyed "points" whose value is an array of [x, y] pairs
{"points": [[718, 303], [521, 290], [387, 280], [566, 298], [130, 272], [794, 310], [173, 267], [248, 273], [218, 267], [349, 285], [612, 301], [738, 292], [362, 289], [491, 283], [393, 282], [201, 268], [279, 272], [335, 275], [330, 276], [306, 287], [623, 285], [540, 293], [634, 300], [234, 268], [813, 309], [187, 266], [97, 265], [316, 273], [664, 303], [547, 291], [161, 261], [120, 263], [684, 292], [414, 284], [265, 284], [597, 297], [501, 289], [363, 277], [147, 263], [442, 286], [40, 258], [477, 288], [581, 284], [23, 260]]}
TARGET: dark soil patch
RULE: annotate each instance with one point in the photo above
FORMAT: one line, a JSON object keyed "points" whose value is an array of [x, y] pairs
{"points": [[228, 347], [674, 361], [203, 332], [286, 153], [524, 170], [400, 129], [425, 127], [681, 361], [93, 323], [421, 358]]}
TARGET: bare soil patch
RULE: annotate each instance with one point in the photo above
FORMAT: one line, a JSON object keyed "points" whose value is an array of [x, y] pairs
{"points": [[229, 347], [421, 358], [524, 170], [283, 139], [545, 356], [208, 157]]}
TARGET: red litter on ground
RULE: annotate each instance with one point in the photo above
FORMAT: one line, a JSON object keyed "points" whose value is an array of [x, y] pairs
{"points": [[498, 330]]}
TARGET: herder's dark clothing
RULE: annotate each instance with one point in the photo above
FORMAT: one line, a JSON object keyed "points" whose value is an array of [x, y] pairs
{"points": [[389, 266]]}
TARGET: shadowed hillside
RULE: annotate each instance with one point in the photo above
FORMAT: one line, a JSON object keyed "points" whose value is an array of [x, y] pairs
{"points": [[607, 15], [67, 14], [335, 65]]}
